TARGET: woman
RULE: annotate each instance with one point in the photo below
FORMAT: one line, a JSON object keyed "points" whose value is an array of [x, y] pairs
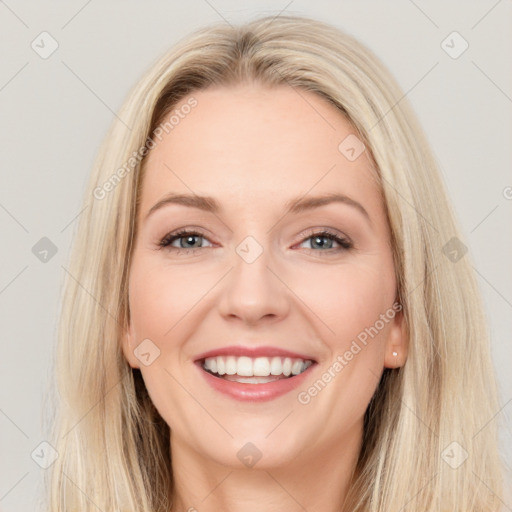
{"points": [[268, 304]]}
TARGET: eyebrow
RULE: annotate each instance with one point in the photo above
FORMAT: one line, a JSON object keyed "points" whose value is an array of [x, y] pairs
{"points": [[297, 205]]}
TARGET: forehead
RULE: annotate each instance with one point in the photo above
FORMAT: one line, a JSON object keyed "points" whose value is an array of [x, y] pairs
{"points": [[253, 142]]}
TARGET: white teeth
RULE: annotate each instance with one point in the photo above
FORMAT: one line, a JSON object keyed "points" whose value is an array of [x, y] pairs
{"points": [[287, 366], [221, 366], [297, 367], [211, 364], [230, 366], [261, 367], [258, 367], [276, 368], [244, 366]]}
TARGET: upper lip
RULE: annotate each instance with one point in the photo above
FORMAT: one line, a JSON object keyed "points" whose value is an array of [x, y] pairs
{"points": [[261, 351]]}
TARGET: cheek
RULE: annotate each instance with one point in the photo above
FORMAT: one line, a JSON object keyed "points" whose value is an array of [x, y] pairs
{"points": [[159, 300], [161, 296], [348, 299], [344, 299], [351, 301]]}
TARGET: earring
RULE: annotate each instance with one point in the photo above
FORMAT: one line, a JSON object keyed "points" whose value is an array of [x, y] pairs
{"points": [[395, 354]]}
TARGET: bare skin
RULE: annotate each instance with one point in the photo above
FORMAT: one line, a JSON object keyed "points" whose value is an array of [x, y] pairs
{"points": [[253, 149]]}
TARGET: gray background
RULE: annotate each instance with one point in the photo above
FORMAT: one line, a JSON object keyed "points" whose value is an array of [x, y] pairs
{"points": [[54, 112]]}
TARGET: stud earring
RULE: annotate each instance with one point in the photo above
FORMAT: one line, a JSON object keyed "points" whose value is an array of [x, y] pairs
{"points": [[395, 354]]}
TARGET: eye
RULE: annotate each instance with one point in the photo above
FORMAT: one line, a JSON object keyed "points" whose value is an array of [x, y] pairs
{"points": [[318, 241], [188, 240]]}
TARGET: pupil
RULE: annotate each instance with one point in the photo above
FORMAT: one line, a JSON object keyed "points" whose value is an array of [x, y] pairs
{"points": [[320, 238], [190, 239]]}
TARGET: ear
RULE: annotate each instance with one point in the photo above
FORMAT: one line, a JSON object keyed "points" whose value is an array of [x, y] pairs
{"points": [[397, 344], [128, 346]]}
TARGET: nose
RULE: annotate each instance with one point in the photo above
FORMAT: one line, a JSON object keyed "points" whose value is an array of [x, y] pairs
{"points": [[253, 292]]}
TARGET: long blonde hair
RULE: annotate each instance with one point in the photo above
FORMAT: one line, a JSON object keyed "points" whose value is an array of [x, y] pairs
{"points": [[113, 446]]}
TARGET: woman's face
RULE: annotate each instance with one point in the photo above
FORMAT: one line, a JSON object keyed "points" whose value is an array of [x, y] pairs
{"points": [[258, 283]]}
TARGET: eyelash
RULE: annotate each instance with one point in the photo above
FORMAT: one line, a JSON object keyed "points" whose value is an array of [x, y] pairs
{"points": [[171, 237]]}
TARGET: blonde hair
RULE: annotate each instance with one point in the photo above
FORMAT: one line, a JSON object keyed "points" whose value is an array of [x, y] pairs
{"points": [[113, 445]]}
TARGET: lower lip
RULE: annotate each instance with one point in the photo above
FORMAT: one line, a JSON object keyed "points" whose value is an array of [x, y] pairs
{"points": [[255, 392]]}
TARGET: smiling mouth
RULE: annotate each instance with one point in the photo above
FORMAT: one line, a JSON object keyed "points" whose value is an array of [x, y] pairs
{"points": [[258, 370]]}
